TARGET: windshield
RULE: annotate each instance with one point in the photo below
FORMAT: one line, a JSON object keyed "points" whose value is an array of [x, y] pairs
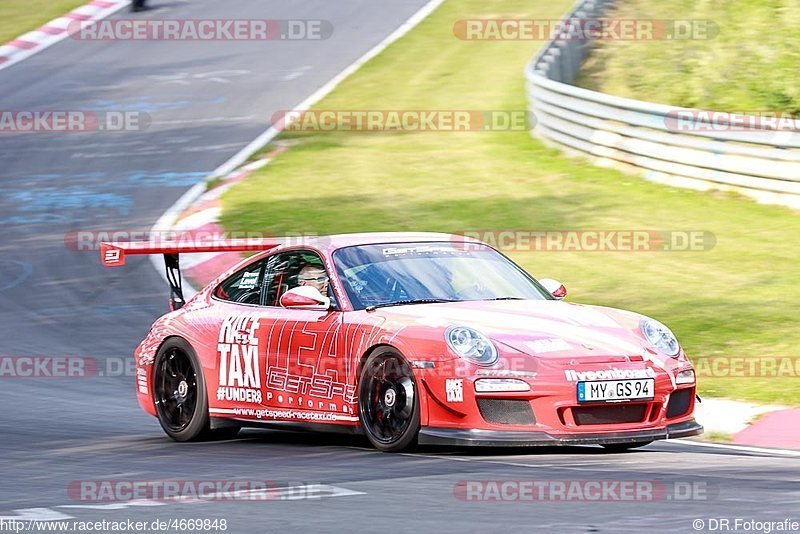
{"points": [[395, 274]]}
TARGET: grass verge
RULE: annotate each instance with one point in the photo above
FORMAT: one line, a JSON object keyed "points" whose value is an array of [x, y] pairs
{"points": [[744, 56], [736, 299], [21, 16]]}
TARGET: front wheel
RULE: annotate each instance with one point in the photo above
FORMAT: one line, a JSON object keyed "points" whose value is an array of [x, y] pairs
{"points": [[388, 401]]}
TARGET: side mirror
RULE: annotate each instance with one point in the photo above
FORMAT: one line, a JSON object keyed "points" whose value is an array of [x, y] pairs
{"points": [[555, 288], [305, 298]]}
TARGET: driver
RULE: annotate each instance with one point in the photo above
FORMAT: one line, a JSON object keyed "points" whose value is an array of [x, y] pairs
{"points": [[314, 276]]}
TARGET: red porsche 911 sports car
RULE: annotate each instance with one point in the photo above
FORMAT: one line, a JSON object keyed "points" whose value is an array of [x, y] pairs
{"points": [[407, 338]]}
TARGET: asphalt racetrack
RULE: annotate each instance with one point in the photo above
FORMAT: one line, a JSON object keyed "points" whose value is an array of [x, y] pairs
{"points": [[207, 101]]}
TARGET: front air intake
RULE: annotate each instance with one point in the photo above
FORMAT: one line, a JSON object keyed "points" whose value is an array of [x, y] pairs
{"points": [[680, 402], [609, 415], [507, 411]]}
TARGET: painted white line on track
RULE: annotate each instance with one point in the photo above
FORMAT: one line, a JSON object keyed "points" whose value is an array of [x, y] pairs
{"points": [[169, 217], [128, 443], [287, 493], [113, 505], [740, 448], [36, 514]]}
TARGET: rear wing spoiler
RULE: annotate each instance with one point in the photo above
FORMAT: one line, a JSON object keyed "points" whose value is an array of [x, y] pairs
{"points": [[114, 255]]}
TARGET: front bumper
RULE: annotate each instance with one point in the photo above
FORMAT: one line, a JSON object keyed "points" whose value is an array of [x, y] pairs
{"points": [[508, 438]]}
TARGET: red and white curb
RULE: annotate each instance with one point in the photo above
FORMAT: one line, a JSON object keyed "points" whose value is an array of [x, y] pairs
{"points": [[749, 424], [55, 31], [202, 218], [779, 428]]}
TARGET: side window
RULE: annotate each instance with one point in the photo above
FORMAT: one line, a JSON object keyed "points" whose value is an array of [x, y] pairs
{"points": [[288, 270], [244, 286]]}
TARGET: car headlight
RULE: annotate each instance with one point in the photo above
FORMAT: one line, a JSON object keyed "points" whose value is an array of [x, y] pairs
{"points": [[471, 344], [660, 337]]}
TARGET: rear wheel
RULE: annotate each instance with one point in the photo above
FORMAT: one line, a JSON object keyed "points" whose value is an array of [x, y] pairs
{"points": [[180, 392], [624, 447], [388, 401]]}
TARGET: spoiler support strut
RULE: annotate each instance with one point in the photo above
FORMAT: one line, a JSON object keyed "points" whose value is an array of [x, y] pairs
{"points": [[173, 267]]}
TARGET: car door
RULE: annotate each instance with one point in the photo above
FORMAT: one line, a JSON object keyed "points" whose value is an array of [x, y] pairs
{"points": [[235, 379], [305, 379]]}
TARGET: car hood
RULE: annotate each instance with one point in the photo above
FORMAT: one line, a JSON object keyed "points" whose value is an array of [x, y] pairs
{"points": [[539, 328]]}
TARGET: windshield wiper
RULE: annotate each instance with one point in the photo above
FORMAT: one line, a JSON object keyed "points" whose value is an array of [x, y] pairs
{"points": [[405, 302], [507, 298]]}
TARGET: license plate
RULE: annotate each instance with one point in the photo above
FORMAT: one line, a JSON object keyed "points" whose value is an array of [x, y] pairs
{"points": [[616, 390]]}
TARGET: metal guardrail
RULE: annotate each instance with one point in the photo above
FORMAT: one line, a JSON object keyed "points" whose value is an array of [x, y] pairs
{"points": [[647, 138]]}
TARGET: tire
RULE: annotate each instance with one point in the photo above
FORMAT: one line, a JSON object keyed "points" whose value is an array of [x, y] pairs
{"points": [[388, 401], [179, 392], [625, 447]]}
